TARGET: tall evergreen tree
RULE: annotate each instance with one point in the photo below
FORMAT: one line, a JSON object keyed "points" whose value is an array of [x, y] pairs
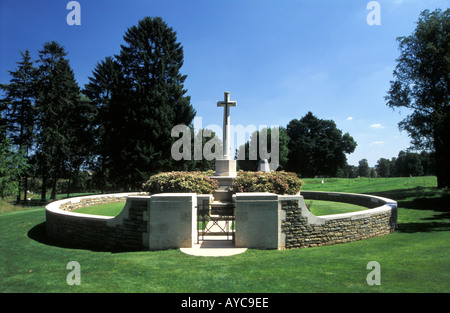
{"points": [[103, 83], [62, 117], [141, 97], [12, 165], [18, 104]]}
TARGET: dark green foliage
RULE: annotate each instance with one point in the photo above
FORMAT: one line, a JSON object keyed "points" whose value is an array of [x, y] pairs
{"points": [[363, 168], [19, 102], [383, 167], [19, 110], [173, 182], [140, 98], [279, 182], [63, 118], [250, 163], [199, 160], [13, 164], [407, 164], [421, 84], [317, 147]]}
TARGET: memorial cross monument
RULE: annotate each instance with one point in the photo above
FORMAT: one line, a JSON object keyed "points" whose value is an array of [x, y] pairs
{"points": [[226, 166]]}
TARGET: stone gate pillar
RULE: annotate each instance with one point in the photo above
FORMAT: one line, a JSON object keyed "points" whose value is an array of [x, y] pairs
{"points": [[172, 221], [258, 221]]}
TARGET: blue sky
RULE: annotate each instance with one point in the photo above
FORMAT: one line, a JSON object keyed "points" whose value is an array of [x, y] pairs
{"points": [[278, 58]]}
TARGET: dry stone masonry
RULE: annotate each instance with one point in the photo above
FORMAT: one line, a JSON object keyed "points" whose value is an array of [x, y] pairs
{"points": [[263, 221], [303, 229]]}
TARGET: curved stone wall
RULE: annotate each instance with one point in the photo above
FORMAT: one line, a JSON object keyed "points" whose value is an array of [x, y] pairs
{"points": [[263, 221], [303, 229], [124, 231]]}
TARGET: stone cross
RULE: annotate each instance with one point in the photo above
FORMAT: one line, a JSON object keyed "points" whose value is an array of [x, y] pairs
{"points": [[226, 104]]}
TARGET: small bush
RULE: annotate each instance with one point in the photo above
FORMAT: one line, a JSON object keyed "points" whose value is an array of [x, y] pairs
{"points": [[282, 183], [183, 182]]}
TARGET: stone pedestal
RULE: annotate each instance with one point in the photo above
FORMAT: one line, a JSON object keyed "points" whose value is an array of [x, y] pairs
{"points": [[226, 168]]}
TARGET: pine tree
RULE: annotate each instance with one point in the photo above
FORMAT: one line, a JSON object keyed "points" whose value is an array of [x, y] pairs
{"points": [[141, 97], [102, 85], [19, 110], [62, 118]]}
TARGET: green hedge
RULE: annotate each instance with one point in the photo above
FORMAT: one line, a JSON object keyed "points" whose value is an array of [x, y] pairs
{"points": [[282, 183], [183, 182]]}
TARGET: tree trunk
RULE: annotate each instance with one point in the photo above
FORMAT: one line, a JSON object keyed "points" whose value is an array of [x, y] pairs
{"points": [[25, 187], [55, 180], [44, 184], [68, 187], [442, 151]]}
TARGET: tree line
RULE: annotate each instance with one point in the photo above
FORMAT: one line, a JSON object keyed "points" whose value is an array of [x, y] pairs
{"points": [[405, 165], [116, 131], [117, 128]]}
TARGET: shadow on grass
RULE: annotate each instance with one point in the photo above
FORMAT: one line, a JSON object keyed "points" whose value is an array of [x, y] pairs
{"points": [[423, 227], [424, 199], [420, 198], [39, 233]]}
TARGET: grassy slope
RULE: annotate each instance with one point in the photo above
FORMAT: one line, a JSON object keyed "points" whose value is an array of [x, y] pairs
{"points": [[413, 259]]}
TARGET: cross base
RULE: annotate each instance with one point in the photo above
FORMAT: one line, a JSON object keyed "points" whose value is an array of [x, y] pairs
{"points": [[226, 168]]}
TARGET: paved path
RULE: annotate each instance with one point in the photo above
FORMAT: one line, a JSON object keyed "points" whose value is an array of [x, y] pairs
{"points": [[214, 248]]}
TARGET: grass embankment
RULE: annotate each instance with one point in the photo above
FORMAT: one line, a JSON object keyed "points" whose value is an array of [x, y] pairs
{"points": [[413, 259]]}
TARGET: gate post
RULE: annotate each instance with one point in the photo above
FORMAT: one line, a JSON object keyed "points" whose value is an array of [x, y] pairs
{"points": [[258, 221], [172, 221]]}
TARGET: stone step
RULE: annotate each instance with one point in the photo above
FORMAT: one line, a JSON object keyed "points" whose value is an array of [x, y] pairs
{"points": [[222, 204], [222, 195], [222, 208]]}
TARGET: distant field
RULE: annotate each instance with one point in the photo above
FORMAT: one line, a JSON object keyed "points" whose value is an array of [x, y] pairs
{"points": [[368, 185]]}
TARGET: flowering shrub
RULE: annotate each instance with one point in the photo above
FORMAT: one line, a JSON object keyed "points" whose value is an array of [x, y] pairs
{"points": [[172, 182], [282, 183]]}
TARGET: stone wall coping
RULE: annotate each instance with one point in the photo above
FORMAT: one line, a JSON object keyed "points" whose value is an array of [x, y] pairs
{"points": [[55, 205], [386, 205], [251, 196], [358, 214], [134, 225], [356, 195]]}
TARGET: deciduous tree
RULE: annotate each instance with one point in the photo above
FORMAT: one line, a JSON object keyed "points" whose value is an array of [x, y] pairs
{"points": [[317, 147], [421, 84]]}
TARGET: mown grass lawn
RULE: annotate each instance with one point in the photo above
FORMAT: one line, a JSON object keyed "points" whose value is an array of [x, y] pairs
{"points": [[108, 209], [416, 258]]}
